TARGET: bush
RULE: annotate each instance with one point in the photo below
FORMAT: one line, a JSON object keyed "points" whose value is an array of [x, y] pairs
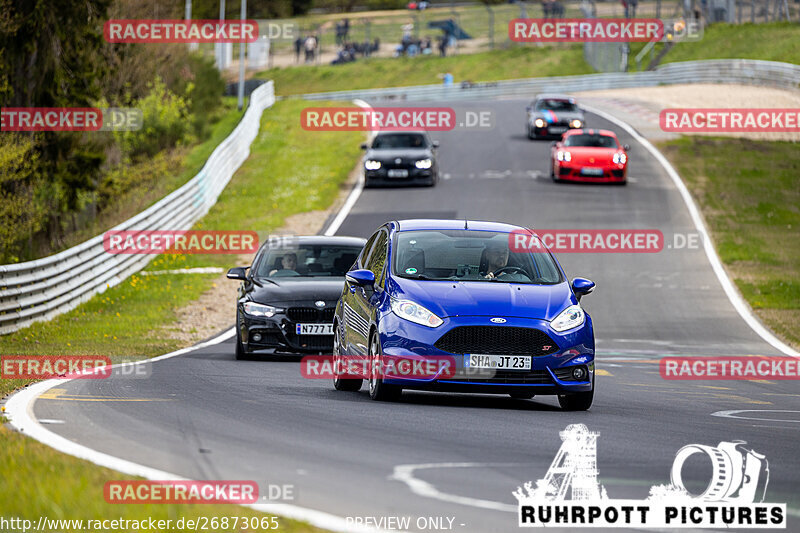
{"points": [[20, 215], [164, 119]]}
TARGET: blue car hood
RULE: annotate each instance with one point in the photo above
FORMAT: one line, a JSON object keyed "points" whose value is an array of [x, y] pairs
{"points": [[476, 298]]}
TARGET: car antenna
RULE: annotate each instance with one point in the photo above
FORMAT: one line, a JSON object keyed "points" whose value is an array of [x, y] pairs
{"points": [[465, 224]]}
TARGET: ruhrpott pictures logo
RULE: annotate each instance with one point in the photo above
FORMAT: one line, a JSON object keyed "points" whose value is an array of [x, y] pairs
{"points": [[570, 494]]}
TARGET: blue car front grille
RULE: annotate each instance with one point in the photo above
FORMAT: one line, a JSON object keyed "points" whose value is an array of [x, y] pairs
{"points": [[501, 340], [535, 377]]}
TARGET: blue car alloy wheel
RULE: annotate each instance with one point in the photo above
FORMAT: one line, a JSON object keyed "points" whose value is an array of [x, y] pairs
{"points": [[456, 290]]}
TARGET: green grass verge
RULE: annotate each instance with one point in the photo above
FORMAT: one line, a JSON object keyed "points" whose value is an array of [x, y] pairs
{"points": [[749, 192], [772, 41], [518, 62], [290, 171], [60, 487]]}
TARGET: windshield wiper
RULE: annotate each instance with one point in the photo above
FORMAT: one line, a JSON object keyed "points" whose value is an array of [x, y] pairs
{"points": [[416, 276]]}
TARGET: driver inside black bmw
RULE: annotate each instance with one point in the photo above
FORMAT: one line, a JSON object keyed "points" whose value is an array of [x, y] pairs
{"points": [[288, 295]]}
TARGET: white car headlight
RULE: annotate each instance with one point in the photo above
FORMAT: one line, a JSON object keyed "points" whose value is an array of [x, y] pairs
{"points": [[539, 123], [415, 313], [563, 155], [371, 164], [575, 123], [571, 317], [254, 309], [424, 163], [619, 158]]}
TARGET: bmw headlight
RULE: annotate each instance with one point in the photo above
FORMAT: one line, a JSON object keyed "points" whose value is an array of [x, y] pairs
{"points": [[571, 317], [415, 313], [619, 158], [424, 163], [563, 155], [254, 309], [539, 123], [575, 123], [371, 164]]}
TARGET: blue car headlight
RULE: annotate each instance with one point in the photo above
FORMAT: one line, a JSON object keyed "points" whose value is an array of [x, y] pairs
{"points": [[424, 163], [571, 317], [254, 309], [415, 313]]}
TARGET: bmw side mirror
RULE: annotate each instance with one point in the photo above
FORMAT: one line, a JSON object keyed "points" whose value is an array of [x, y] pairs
{"points": [[528, 108], [582, 287], [238, 273], [435, 144], [626, 147], [553, 144], [363, 146], [361, 278]]}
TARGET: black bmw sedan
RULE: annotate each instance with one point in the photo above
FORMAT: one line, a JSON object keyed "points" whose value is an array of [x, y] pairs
{"points": [[288, 295], [397, 158]]}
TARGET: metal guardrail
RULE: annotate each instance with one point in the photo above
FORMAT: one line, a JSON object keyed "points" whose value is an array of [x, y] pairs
{"points": [[741, 71], [41, 289]]}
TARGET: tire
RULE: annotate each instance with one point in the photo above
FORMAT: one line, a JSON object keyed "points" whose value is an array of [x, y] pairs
{"points": [[522, 395], [531, 136], [579, 401], [553, 172], [350, 385], [240, 352], [378, 390]]}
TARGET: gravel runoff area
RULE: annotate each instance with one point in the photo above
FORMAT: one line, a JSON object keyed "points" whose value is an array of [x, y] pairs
{"points": [[643, 105]]}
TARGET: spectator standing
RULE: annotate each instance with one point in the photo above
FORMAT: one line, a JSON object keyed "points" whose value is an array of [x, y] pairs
{"points": [[298, 47], [310, 45]]}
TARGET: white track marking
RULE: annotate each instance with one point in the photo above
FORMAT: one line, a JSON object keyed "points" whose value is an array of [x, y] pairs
{"points": [[19, 410], [354, 194], [732, 414], [405, 474], [727, 285]]}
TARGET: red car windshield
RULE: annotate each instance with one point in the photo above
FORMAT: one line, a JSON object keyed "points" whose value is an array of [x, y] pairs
{"points": [[595, 141]]}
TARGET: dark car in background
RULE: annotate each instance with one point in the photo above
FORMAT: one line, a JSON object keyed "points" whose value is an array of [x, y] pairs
{"points": [[288, 295], [401, 158], [550, 115]]}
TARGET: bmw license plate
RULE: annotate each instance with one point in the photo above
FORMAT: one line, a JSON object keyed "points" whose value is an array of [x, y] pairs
{"points": [[557, 129], [498, 362], [314, 329], [592, 171], [397, 173]]}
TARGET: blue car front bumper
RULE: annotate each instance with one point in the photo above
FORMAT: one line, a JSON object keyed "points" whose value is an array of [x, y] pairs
{"points": [[550, 373]]}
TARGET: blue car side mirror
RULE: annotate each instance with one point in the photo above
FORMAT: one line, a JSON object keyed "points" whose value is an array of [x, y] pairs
{"points": [[362, 278], [582, 287]]}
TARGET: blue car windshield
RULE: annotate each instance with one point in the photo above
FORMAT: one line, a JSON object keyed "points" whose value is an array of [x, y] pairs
{"points": [[470, 255]]}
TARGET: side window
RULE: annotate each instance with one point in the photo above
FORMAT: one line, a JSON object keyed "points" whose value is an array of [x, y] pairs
{"points": [[362, 259], [377, 259]]}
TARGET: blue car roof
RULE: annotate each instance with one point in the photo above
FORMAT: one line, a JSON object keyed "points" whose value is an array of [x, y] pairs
{"points": [[433, 224]]}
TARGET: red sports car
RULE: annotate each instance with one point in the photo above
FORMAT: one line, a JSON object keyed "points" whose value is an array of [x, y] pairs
{"points": [[590, 156]]}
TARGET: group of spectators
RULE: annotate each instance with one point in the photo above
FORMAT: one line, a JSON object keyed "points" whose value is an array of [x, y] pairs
{"points": [[348, 51], [412, 46]]}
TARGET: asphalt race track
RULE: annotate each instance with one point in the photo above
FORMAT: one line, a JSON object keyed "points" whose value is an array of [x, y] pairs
{"points": [[204, 415]]}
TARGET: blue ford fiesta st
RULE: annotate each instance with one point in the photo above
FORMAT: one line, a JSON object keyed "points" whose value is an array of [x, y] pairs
{"points": [[506, 316]]}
